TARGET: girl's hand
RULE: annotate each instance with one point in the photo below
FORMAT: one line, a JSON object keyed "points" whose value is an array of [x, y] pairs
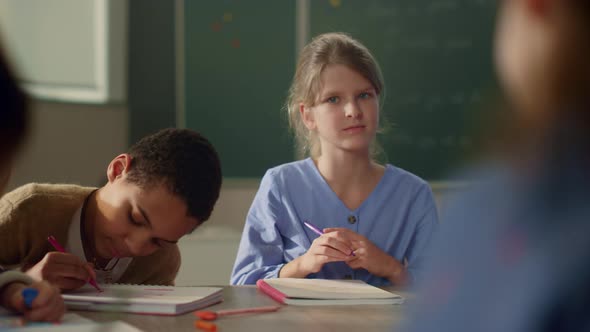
{"points": [[369, 257], [63, 270], [324, 249], [47, 306]]}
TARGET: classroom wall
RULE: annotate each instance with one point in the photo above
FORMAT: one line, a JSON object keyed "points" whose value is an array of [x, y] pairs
{"points": [[71, 143]]}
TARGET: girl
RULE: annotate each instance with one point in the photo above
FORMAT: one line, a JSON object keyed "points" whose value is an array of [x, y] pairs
{"points": [[524, 264], [377, 220]]}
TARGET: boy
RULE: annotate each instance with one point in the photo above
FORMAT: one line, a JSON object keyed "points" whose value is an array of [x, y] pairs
{"points": [[124, 232]]}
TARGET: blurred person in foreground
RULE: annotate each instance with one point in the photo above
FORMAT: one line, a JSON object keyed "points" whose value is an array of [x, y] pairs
{"points": [[48, 304], [513, 253]]}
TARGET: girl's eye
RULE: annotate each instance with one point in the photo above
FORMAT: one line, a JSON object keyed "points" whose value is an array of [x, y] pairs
{"points": [[332, 100], [365, 95]]}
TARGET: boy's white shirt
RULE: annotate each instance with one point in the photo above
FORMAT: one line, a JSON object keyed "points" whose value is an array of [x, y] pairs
{"points": [[74, 246]]}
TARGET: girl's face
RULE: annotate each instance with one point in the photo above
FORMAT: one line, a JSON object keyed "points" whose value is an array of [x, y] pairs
{"points": [[346, 114], [132, 221]]}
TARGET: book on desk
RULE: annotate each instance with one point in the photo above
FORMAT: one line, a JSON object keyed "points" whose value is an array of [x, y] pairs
{"points": [[143, 299], [298, 291]]}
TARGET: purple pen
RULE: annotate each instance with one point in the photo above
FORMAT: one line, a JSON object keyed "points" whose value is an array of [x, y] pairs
{"points": [[313, 228]]}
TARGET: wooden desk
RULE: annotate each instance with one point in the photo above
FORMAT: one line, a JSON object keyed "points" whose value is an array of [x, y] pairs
{"points": [[365, 318]]}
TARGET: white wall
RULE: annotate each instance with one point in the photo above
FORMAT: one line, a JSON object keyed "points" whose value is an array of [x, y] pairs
{"points": [[68, 50], [208, 254]]}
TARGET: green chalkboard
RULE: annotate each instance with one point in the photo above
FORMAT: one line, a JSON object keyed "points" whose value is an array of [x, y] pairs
{"points": [[239, 60], [435, 55], [436, 58]]}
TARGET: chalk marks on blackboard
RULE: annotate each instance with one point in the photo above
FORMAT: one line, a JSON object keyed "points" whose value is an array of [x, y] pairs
{"points": [[218, 25]]}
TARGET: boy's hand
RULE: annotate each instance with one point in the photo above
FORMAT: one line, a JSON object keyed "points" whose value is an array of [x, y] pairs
{"points": [[48, 305], [63, 270]]}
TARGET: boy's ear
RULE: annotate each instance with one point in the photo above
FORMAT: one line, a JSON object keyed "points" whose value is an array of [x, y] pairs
{"points": [[307, 117], [118, 167]]}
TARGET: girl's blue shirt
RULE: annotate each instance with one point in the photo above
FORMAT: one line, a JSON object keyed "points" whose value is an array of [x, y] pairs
{"points": [[399, 217]]}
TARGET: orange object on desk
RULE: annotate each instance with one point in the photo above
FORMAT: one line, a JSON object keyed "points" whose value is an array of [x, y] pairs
{"points": [[213, 315], [207, 326]]}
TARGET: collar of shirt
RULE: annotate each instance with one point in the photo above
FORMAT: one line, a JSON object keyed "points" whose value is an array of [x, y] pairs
{"points": [[74, 246]]}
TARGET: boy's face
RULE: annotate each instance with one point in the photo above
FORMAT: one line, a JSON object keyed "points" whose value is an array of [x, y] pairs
{"points": [[134, 221]]}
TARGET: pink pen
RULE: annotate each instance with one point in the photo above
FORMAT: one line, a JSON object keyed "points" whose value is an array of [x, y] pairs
{"points": [[319, 232], [313, 228], [53, 241]]}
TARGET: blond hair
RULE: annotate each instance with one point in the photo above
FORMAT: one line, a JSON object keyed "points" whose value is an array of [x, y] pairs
{"points": [[324, 50]]}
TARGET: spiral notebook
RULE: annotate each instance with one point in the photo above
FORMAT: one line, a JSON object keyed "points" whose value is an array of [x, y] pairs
{"points": [[325, 292], [142, 299]]}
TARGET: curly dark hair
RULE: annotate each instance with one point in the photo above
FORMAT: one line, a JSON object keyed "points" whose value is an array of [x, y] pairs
{"points": [[185, 161], [13, 112]]}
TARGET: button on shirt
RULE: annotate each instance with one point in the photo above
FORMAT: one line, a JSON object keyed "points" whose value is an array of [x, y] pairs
{"points": [[399, 217]]}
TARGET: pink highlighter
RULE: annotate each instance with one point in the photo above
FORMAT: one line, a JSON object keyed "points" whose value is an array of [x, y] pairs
{"points": [[53, 241]]}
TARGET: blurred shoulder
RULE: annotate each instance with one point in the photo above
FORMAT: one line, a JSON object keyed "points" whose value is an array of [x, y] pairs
{"points": [[40, 190], [45, 194]]}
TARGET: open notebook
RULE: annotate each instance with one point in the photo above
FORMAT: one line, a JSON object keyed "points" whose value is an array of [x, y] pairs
{"points": [[144, 299], [325, 292]]}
